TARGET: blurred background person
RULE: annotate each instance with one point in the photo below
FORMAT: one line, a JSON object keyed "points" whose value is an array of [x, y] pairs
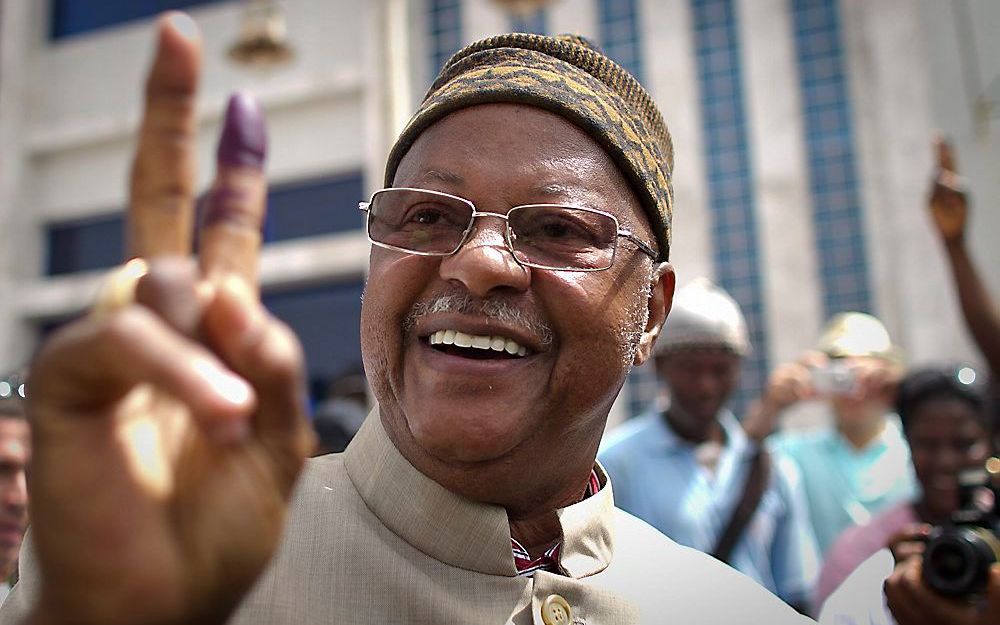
{"points": [[859, 464], [690, 471], [339, 415], [943, 412], [15, 452]]}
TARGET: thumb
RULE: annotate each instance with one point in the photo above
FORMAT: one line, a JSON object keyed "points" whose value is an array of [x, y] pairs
{"points": [[990, 615], [267, 354]]}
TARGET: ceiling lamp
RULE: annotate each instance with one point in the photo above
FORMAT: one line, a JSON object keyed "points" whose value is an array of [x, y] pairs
{"points": [[263, 35], [522, 7]]}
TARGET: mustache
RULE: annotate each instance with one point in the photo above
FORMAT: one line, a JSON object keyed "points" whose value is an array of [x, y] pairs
{"points": [[493, 308]]}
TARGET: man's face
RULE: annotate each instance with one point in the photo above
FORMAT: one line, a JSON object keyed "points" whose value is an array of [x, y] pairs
{"points": [[946, 437], [453, 406], [700, 381], [14, 455]]}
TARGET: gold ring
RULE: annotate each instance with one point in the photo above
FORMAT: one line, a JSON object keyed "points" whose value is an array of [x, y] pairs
{"points": [[118, 289]]}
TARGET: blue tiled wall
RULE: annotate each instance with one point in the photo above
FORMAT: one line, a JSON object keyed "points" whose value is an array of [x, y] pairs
{"points": [[618, 31], [444, 18], [618, 34], [840, 236], [735, 243]]}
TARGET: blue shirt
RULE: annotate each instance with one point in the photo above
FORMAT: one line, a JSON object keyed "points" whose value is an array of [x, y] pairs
{"points": [[655, 475], [846, 486]]}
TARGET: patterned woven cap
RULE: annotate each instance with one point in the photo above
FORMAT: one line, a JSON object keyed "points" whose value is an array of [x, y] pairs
{"points": [[570, 77]]}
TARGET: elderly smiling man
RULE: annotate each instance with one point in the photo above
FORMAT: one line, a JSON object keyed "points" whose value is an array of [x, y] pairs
{"points": [[518, 271]]}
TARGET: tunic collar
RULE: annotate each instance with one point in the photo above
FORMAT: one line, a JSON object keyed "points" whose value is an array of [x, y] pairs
{"points": [[458, 531]]}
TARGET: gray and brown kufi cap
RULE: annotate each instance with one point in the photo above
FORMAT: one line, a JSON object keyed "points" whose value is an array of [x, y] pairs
{"points": [[570, 77]]}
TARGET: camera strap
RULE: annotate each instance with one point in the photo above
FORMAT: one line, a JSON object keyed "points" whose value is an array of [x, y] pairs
{"points": [[753, 491]]}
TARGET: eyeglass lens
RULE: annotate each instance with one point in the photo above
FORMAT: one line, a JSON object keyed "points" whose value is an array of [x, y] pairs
{"points": [[544, 235]]}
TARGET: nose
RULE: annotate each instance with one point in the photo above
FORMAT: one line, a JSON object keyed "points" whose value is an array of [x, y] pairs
{"points": [[484, 263], [14, 491], [949, 459]]}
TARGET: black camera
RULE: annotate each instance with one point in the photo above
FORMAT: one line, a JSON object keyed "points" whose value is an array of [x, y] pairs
{"points": [[958, 555]]}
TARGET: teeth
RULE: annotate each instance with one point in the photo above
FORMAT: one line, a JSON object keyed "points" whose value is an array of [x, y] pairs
{"points": [[477, 341], [463, 340]]}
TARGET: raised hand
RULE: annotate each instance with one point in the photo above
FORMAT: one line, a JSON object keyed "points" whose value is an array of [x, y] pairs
{"points": [[948, 202], [787, 385], [169, 431]]}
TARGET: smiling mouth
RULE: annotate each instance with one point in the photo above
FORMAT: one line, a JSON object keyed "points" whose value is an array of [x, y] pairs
{"points": [[476, 346]]}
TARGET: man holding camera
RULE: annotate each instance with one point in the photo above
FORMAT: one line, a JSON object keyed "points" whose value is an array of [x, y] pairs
{"points": [[859, 463]]}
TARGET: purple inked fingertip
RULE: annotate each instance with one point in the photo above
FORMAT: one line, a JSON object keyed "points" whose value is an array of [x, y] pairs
{"points": [[244, 137]]}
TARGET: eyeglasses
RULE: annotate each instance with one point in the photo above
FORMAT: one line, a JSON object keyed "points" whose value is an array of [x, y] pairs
{"points": [[544, 236]]}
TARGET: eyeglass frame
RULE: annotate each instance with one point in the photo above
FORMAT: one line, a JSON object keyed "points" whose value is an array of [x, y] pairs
{"points": [[643, 247]]}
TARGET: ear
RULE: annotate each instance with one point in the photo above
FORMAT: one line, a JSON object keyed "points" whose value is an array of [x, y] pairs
{"points": [[661, 297]]}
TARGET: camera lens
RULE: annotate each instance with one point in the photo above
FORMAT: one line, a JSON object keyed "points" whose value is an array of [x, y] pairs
{"points": [[950, 562], [957, 560]]}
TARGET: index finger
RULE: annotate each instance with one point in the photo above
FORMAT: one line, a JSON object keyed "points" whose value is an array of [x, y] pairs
{"points": [[945, 154], [163, 173]]}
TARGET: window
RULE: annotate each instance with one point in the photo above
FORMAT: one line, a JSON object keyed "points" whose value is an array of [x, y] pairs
{"points": [[327, 320], [295, 210], [75, 17], [445, 21]]}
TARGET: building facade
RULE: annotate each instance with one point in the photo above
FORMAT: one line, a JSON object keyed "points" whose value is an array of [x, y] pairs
{"points": [[802, 131]]}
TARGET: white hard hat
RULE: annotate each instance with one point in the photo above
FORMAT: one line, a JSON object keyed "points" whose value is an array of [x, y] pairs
{"points": [[704, 315]]}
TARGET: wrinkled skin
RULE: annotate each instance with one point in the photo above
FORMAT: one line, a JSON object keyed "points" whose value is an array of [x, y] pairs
{"points": [[474, 426]]}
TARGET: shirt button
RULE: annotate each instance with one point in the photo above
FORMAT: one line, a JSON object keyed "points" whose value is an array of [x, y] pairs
{"points": [[556, 611]]}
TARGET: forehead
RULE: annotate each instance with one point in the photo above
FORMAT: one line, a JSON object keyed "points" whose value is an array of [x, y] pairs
{"points": [[517, 151], [945, 414], [700, 356], [13, 438]]}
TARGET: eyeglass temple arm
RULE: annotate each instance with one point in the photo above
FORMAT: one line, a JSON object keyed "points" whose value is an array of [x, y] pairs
{"points": [[645, 249]]}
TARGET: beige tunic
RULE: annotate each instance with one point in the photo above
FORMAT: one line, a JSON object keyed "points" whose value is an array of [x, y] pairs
{"points": [[371, 540]]}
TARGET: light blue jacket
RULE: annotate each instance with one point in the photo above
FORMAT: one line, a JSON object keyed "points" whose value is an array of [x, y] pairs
{"points": [[846, 486], [655, 476]]}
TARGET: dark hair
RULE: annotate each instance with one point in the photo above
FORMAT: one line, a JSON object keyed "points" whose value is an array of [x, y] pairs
{"points": [[960, 382]]}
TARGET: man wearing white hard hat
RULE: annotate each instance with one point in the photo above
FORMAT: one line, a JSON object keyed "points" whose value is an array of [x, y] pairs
{"points": [[688, 469]]}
